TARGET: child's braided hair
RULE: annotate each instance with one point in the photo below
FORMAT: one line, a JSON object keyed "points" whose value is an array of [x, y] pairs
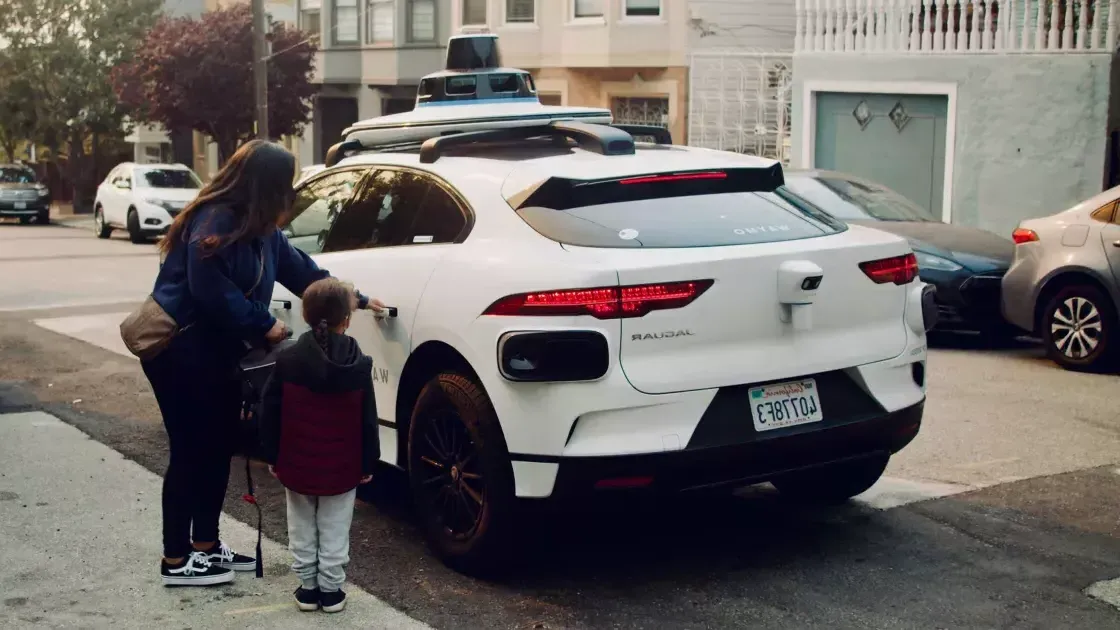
{"points": [[326, 305]]}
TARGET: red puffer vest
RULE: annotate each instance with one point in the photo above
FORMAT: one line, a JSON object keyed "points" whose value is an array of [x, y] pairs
{"points": [[324, 417]]}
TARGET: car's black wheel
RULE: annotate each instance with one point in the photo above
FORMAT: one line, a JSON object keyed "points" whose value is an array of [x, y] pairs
{"points": [[135, 234], [100, 227], [25, 220], [460, 475], [1077, 327], [43, 218], [832, 483]]}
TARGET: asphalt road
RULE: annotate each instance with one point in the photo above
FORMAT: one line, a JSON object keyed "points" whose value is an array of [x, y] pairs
{"points": [[1029, 456]]}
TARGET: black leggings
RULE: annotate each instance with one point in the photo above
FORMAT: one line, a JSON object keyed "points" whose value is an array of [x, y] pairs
{"points": [[199, 396]]}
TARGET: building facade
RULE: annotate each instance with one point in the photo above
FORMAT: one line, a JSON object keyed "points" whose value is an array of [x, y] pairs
{"points": [[626, 55], [372, 56], [984, 117]]}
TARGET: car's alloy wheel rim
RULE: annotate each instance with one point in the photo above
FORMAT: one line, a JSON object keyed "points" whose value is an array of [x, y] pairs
{"points": [[98, 221], [1075, 327], [451, 482]]}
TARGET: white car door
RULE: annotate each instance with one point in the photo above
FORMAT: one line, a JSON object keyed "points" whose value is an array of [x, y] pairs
{"points": [[116, 212], [105, 189], [387, 242]]}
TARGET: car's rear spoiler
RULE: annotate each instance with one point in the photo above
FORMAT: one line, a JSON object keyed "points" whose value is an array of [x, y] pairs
{"points": [[560, 193]]}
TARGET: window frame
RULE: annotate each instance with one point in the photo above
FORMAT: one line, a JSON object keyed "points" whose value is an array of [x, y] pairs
{"points": [[432, 180], [519, 23], [575, 18], [624, 13], [463, 13], [306, 8], [1107, 213], [357, 8], [410, 22], [371, 31]]}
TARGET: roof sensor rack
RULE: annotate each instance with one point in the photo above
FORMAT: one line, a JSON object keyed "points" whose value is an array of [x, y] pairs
{"points": [[601, 139], [339, 151], [660, 135]]}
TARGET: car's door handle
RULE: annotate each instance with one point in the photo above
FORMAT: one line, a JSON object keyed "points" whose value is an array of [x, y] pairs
{"points": [[387, 312], [285, 304], [1116, 243]]}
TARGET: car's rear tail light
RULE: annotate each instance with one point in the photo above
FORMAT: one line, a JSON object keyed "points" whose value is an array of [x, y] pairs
{"points": [[1023, 235], [896, 269], [653, 179], [603, 302]]}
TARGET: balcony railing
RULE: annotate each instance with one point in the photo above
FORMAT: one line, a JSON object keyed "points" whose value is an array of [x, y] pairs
{"points": [[956, 26]]}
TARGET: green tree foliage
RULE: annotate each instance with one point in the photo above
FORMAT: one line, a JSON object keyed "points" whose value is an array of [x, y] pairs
{"points": [[199, 74], [61, 54]]}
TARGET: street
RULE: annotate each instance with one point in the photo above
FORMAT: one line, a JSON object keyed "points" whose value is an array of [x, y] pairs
{"points": [[1003, 513]]}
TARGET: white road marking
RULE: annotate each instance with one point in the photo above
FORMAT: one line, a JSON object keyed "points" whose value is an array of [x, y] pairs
{"points": [[101, 329], [1107, 591], [46, 306]]}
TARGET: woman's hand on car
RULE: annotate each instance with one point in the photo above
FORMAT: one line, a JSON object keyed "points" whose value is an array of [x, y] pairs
{"points": [[276, 334], [375, 305]]}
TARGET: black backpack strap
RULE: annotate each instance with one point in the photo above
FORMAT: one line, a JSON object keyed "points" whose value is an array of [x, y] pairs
{"points": [[251, 496]]}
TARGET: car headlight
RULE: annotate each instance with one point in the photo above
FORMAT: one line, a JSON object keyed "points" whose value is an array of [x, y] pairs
{"points": [[42, 190], [166, 205], [929, 261]]}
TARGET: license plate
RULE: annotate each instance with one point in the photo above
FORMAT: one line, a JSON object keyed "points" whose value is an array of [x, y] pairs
{"points": [[20, 205], [785, 405]]}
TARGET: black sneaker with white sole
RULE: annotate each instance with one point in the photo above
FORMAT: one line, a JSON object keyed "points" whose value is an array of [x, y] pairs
{"points": [[332, 601], [221, 555], [307, 599], [195, 570]]}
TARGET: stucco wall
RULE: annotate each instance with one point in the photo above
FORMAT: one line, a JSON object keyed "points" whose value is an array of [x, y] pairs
{"points": [[1031, 130]]}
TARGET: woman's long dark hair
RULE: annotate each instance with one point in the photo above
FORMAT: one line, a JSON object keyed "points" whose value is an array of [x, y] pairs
{"points": [[256, 183]]}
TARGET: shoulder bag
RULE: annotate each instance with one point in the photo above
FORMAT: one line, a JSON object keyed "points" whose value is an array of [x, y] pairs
{"points": [[148, 330]]}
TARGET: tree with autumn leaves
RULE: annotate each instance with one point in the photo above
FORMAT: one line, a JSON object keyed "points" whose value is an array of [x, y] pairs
{"points": [[198, 74]]}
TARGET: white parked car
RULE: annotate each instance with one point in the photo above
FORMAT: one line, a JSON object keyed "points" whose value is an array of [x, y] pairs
{"points": [[143, 199], [579, 320]]}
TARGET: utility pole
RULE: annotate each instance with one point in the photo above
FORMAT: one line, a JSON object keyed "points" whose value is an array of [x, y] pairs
{"points": [[260, 66]]}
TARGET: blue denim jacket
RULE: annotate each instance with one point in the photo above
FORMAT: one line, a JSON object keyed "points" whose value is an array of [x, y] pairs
{"points": [[227, 293]]}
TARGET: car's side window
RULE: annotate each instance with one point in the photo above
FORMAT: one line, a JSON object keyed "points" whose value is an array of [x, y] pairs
{"points": [[382, 213], [441, 220], [1106, 213], [316, 208]]}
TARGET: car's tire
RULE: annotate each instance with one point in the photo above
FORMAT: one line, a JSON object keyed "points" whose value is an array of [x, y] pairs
{"points": [[460, 476], [135, 234], [1077, 327], [25, 220], [832, 483], [100, 227], [43, 218]]}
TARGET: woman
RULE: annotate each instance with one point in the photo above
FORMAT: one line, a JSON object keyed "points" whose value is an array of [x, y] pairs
{"points": [[222, 257]]}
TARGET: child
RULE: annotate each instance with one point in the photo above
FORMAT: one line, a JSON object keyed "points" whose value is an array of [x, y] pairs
{"points": [[319, 433]]}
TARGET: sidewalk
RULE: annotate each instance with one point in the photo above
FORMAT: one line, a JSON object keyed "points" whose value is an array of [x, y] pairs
{"points": [[79, 535]]}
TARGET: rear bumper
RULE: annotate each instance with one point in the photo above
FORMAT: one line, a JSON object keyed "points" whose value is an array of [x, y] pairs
{"points": [[759, 459]]}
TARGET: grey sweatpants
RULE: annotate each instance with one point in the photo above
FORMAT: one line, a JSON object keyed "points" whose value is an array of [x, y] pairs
{"points": [[319, 538]]}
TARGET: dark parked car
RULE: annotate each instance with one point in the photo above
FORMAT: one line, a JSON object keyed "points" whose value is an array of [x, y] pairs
{"points": [[22, 196], [965, 264]]}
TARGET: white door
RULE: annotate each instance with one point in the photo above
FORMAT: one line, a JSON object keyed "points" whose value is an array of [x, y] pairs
{"points": [[386, 240]]}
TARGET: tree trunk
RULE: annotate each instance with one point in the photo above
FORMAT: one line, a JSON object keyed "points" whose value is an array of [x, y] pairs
{"points": [[10, 149], [226, 148]]}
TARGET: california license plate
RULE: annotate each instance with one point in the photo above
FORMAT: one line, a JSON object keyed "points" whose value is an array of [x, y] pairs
{"points": [[785, 405], [20, 205]]}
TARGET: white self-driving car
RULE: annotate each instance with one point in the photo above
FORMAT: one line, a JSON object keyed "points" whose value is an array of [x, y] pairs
{"points": [[143, 199], [573, 313]]}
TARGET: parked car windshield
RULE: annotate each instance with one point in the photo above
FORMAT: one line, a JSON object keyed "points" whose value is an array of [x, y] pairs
{"points": [[853, 200], [16, 175], [168, 178]]}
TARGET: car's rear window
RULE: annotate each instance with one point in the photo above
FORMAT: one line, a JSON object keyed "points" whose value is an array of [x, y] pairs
{"points": [[659, 215]]}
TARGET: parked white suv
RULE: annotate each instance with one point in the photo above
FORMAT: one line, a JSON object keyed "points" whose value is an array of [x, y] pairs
{"points": [[143, 199]]}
